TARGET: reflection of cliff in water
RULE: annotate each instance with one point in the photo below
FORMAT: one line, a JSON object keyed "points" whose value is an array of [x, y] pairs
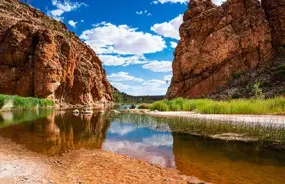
{"points": [[227, 162], [60, 132]]}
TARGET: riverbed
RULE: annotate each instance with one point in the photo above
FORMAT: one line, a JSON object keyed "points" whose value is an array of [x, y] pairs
{"points": [[53, 134]]}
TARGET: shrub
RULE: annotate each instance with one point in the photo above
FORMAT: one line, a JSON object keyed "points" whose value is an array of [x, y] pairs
{"points": [[144, 106], [133, 106]]}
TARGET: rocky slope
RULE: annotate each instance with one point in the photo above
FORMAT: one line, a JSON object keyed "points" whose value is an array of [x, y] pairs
{"points": [[218, 42], [41, 58]]}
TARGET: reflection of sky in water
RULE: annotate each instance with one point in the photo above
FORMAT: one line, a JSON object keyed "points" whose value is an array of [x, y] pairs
{"points": [[141, 141]]}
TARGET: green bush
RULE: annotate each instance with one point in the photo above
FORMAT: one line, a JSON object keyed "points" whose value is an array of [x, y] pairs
{"points": [[144, 106], [133, 106]]}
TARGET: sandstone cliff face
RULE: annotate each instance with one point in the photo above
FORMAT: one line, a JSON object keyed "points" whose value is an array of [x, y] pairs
{"points": [[40, 58], [220, 41]]}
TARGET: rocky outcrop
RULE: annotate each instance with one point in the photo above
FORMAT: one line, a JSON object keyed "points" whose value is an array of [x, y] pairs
{"points": [[218, 42], [275, 11], [39, 57]]}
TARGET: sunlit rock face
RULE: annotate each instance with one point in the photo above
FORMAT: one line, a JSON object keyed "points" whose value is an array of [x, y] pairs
{"points": [[218, 41], [41, 58]]}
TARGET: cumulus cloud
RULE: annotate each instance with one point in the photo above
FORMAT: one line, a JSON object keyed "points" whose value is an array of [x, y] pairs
{"points": [[159, 66], [72, 23], [173, 44], [169, 29], [123, 76], [116, 60], [217, 2], [106, 38], [138, 86], [154, 83], [168, 77], [121, 86], [62, 7]]}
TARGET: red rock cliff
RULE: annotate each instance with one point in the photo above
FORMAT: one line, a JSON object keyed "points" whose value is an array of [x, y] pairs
{"points": [[39, 57], [218, 41]]}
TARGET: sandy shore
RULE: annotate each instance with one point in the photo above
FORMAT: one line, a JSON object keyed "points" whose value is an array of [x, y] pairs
{"points": [[265, 120], [18, 165]]}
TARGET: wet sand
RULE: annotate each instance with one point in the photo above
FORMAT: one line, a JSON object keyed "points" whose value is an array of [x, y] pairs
{"points": [[19, 165]]}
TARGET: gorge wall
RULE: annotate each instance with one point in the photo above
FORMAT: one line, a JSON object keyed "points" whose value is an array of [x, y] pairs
{"points": [[39, 57], [218, 42]]}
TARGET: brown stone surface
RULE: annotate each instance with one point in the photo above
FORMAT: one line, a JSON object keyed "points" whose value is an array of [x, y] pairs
{"points": [[275, 11], [39, 57], [219, 41]]}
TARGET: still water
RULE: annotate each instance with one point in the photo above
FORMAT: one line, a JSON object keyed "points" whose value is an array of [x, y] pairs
{"points": [[51, 133]]}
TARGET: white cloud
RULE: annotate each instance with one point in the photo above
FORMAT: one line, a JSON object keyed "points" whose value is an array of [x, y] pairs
{"points": [[61, 8], [115, 60], [120, 86], [173, 44], [106, 38], [159, 66], [145, 12], [123, 76], [217, 2], [170, 1], [72, 23], [143, 87], [154, 83], [169, 29], [168, 77]]}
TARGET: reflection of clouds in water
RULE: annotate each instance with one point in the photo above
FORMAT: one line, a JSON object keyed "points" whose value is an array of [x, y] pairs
{"points": [[141, 150], [159, 140], [121, 129]]}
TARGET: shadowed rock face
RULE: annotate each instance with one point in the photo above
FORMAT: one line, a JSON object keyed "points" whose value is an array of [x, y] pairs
{"points": [[40, 58], [218, 41]]}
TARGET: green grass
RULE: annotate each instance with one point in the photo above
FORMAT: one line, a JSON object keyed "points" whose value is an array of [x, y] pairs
{"points": [[8, 102], [207, 106]]}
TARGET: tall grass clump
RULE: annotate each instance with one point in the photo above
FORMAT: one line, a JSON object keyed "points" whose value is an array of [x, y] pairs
{"points": [[8, 102], [207, 106]]}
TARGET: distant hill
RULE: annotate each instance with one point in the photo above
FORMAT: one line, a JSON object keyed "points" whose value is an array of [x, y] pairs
{"points": [[121, 97]]}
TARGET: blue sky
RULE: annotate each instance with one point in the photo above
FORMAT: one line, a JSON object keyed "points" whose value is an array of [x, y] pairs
{"points": [[135, 39]]}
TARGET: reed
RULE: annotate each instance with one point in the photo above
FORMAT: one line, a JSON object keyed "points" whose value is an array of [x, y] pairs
{"points": [[207, 106], [9, 102]]}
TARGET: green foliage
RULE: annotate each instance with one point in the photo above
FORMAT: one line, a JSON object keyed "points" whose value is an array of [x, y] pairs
{"points": [[18, 102], [207, 106], [121, 97], [133, 106], [144, 106], [238, 74], [279, 72], [257, 91]]}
